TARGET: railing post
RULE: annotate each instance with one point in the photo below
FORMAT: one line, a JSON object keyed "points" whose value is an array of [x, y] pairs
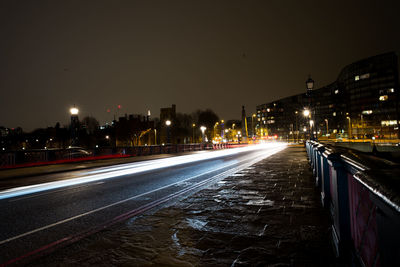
{"points": [[339, 207]]}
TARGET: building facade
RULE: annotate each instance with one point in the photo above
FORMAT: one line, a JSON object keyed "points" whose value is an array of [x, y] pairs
{"points": [[363, 103]]}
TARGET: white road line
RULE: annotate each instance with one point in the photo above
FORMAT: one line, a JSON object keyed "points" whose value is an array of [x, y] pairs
{"points": [[271, 152]]}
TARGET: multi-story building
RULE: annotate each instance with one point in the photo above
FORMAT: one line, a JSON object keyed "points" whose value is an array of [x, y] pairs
{"points": [[362, 103]]}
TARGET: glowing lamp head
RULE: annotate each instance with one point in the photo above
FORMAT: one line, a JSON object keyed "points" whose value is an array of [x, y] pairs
{"points": [[168, 122], [306, 113], [74, 111], [203, 128]]}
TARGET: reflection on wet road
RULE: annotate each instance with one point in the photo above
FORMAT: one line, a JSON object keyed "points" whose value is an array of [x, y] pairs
{"points": [[38, 218]]}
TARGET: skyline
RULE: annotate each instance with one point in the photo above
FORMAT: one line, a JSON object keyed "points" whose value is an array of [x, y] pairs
{"points": [[146, 56]]}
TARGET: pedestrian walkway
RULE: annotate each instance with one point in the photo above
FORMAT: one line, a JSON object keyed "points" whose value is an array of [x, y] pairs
{"points": [[267, 215]]}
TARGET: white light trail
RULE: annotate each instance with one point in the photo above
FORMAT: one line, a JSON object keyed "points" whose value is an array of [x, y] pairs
{"points": [[134, 168]]}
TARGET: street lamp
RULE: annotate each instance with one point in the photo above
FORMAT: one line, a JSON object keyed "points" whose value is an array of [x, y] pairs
{"points": [[193, 125], [310, 86], [327, 129], [349, 126], [297, 128], [203, 129], [74, 125], [306, 114], [252, 124], [168, 124], [74, 111]]}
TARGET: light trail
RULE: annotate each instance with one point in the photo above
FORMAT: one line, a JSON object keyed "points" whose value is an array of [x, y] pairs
{"points": [[133, 168]]}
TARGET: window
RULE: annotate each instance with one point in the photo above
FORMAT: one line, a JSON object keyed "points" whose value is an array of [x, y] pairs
{"points": [[389, 123], [364, 76], [366, 112], [383, 98]]}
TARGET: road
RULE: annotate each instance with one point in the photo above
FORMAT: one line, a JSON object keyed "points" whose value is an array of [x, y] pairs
{"points": [[40, 218]]}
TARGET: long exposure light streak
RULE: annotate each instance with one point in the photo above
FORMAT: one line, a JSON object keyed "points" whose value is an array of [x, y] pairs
{"points": [[134, 168]]}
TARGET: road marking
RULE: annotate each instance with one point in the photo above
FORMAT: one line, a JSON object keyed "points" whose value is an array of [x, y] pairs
{"points": [[120, 202], [53, 191], [77, 237], [129, 170]]}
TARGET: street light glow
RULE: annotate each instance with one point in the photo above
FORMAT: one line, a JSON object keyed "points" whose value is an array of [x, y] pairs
{"points": [[168, 122], [203, 128], [306, 113], [74, 111]]}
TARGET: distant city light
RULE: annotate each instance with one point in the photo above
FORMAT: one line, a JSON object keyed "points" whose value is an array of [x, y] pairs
{"points": [[168, 122], [306, 112], [203, 128]]}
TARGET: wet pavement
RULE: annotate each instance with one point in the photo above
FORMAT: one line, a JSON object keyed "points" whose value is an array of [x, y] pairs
{"points": [[267, 215]]}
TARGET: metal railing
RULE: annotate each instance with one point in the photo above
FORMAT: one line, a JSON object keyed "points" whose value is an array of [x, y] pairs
{"points": [[362, 195]]}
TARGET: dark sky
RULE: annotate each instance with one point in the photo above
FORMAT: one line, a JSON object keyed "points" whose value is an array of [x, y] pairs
{"points": [[196, 54]]}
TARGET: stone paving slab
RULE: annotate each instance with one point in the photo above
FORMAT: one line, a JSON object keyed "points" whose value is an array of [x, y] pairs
{"points": [[266, 215]]}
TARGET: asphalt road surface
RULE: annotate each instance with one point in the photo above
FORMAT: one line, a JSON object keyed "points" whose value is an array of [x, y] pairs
{"points": [[40, 218]]}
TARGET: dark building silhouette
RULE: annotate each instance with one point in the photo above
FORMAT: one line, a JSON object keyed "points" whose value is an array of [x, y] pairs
{"points": [[363, 102], [167, 132], [134, 130]]}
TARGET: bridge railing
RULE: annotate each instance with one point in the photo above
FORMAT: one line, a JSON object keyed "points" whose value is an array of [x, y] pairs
{"points": [[363, 197]]}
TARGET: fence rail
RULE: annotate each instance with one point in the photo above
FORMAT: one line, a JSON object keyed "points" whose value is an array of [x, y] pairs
{"points": [[363, 197]]}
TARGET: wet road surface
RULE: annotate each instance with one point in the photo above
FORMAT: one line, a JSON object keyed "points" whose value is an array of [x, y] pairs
{"points": [[268, 214], [39, 218]]}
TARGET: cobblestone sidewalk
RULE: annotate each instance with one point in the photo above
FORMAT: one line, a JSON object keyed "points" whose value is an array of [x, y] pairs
{"points": [[266, 215]]}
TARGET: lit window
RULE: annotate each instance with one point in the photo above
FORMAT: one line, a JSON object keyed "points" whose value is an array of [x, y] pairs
{"points": [[366, 112], [364, 76], [389, 123], [336, 92], [357, 78], [383, 98]]}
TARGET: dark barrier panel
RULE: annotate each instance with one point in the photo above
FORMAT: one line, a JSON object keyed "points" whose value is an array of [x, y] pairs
{"points": [[362, 193]]}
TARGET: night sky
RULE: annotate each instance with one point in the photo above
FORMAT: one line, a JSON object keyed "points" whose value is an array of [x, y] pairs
{"points": [[195, 54]]}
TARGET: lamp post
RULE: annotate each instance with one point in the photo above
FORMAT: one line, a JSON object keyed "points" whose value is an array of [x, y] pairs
{"points": [[203, 129], [349, 126], [310, 86], [193, 125], [307, 114], [297, 128], [168, 124], [327, 129], [74, 125], [252, 125]]}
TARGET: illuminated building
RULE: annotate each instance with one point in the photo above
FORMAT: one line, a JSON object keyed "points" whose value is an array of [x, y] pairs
{"points": [[362, 103]]}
